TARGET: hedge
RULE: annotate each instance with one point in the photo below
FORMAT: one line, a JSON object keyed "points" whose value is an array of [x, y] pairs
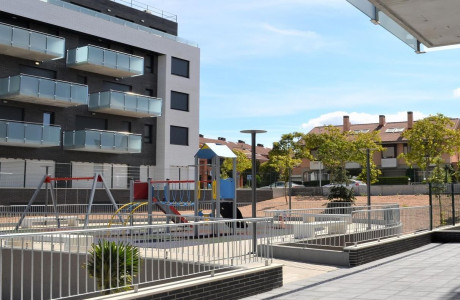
{"points": [[393, 180]]}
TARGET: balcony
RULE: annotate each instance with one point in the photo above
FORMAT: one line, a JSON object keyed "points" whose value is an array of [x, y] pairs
{"points": [[92, 140], [316, 165], [389, 162], [104, 61], [21, 134], [125, 104], [29, 44], [44, 91], [352, 165]]}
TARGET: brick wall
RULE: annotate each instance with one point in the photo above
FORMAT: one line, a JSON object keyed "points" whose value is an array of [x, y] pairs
{"points": [[362, 255], [235, 287]]}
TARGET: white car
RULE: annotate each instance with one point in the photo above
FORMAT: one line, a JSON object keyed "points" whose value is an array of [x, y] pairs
{"points": [[281, 184], [351, 183]]}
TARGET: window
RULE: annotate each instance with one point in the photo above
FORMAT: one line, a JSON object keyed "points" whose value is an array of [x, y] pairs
{"points": [[11, 113], [148, 61], [179, 101], [357, 131], [389, 152], [107, 85], [147, 133], [125, 126], [180, 67], [83, 122], [149, 92], [179, 136], [48, 118], [34, 71], [393, 130]]}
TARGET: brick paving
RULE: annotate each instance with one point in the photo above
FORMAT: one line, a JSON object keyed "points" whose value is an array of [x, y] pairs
{"points": [[428, 272]]}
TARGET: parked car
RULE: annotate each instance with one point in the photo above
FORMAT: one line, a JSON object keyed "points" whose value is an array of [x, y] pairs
{"points": [[351, 183], [281, 184]]}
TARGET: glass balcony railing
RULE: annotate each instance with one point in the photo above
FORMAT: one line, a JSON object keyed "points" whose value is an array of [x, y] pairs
{"points": [[102, 141], [105, 61], [15, 133], [29, 44], [126, 104], [120, 21], [39, 90]]}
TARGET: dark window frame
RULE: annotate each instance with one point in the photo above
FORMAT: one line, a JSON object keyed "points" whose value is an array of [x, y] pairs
{"points": [[175, 101], [148, 138], [174, 133], [174, 68]]}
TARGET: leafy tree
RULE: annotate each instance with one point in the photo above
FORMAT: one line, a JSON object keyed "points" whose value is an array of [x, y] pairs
{"points": [[286, 154], [334, 148], [429, 139], [243, 163], [114, 265]]}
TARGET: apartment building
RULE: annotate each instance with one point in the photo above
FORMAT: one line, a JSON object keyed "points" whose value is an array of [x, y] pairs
{"points": [[94, 86], [387, 161]]}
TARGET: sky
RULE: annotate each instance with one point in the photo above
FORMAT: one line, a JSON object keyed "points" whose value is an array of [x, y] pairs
{"points": [[290, 65]]}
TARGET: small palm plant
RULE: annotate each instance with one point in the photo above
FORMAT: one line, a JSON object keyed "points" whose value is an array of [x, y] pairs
{"points": [[114, 265]]}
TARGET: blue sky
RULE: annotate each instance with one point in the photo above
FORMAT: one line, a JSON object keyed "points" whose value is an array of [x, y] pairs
{"points": [[290, 65]]}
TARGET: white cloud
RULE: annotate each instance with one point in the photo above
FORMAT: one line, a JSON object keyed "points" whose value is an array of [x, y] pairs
{"points": [[336, 118], [456, 93]]}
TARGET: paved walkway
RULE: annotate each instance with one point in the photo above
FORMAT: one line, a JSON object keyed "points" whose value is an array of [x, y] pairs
{"points": [[429, 272]]}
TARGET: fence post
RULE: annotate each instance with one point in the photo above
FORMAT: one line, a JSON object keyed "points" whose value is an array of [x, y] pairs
{"points": [[453, 203], [431, 206]]}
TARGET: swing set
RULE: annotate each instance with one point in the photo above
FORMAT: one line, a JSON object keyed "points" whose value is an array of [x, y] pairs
{"points": [[50, 186]]}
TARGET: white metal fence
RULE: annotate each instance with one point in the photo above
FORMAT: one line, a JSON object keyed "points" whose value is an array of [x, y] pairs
{"points": [[72, 216], [340, 227], [64, 264]]}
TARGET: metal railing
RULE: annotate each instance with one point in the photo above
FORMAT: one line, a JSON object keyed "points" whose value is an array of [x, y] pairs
{"points": [[69, 263], [44, 90], [148, 9], [49, 46], [114, 100], [120, 21], [30, 134], [102, 141], [47, 217], [345, 226], [107, 58]]}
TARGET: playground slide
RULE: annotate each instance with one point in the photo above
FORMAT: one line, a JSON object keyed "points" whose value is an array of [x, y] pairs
{"points": [[226, 211], [170, 210]]}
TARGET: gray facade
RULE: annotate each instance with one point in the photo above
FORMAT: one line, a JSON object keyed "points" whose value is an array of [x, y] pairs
{"points": [[118, 32]]}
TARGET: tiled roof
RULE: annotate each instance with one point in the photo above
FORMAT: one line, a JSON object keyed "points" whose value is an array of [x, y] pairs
{"points": [[261, 152], [387, 132]]}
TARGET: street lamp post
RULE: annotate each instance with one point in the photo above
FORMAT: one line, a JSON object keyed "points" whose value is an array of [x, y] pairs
{"points": [[253, 133]]}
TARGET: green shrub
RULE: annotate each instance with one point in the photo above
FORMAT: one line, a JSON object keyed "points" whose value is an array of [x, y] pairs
{"points": [[114, 265], [393, 180], [340, 193]]}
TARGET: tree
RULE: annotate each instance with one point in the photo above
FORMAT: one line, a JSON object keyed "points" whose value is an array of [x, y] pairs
{"points": [[334, 148], [114, 265], [429, 139], [243, 163], [286, 154]]}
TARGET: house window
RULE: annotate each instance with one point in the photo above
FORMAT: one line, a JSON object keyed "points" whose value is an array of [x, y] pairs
{"points": [[389, 152], [147, 133], [179, 101], [179, 136], [125, 126], [48, 118], [148, 61], [180, 67], [83, 122]]}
